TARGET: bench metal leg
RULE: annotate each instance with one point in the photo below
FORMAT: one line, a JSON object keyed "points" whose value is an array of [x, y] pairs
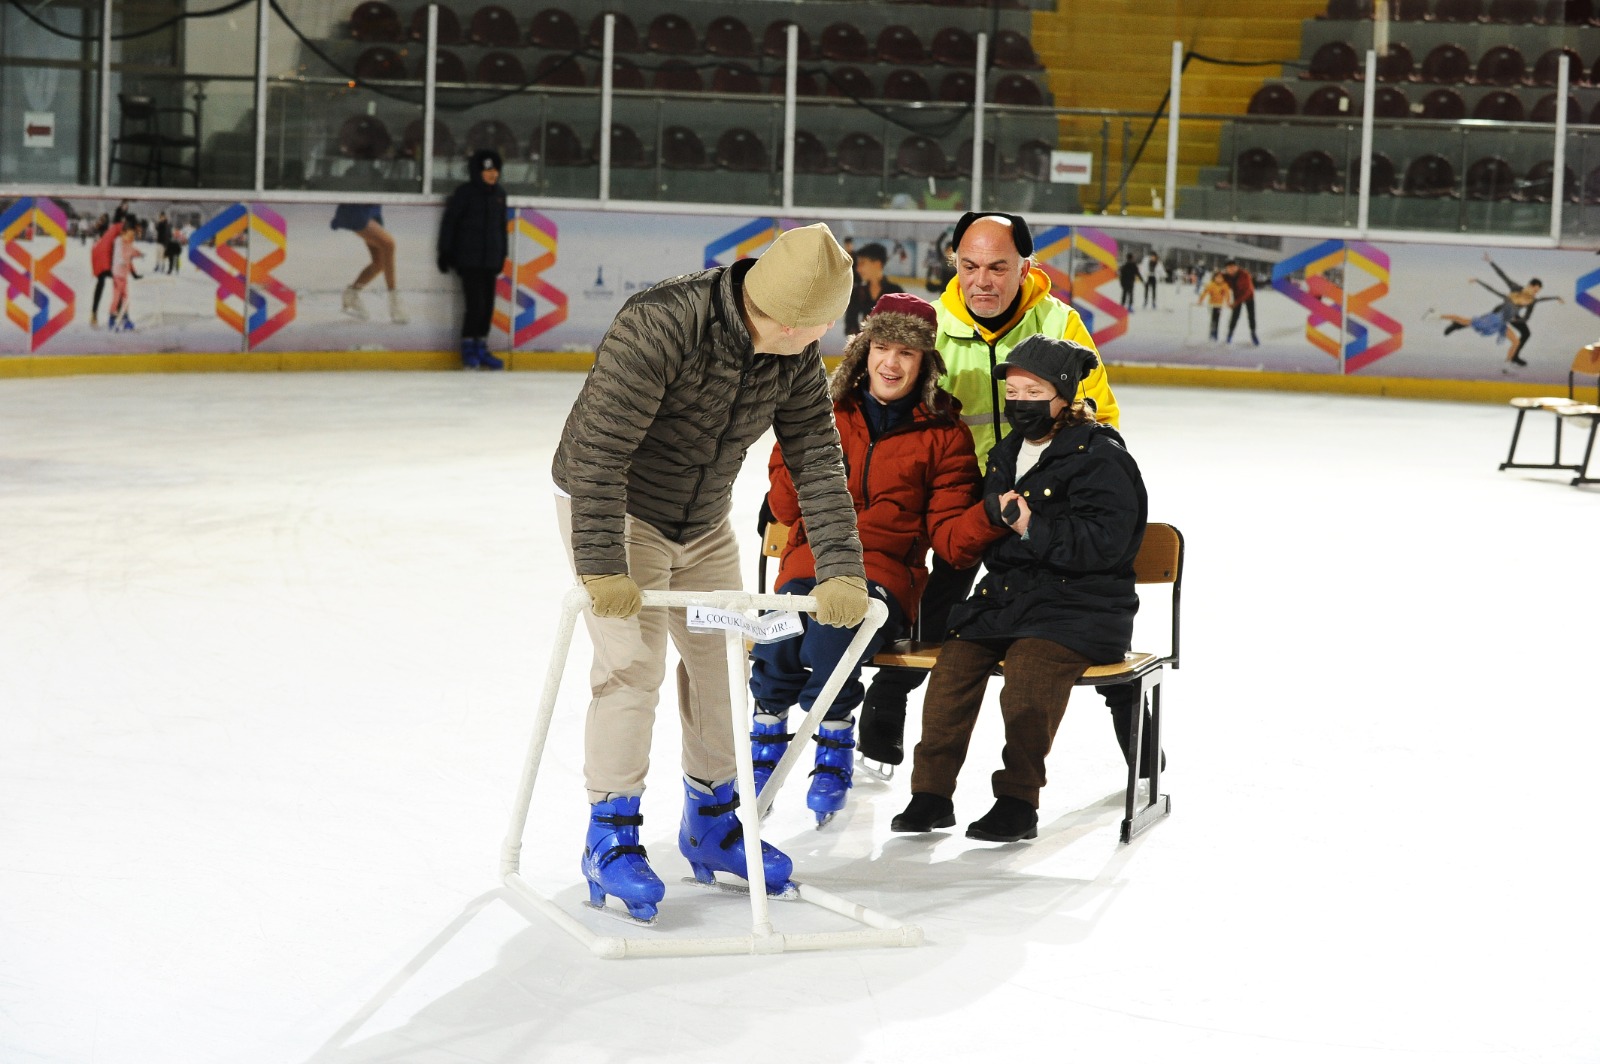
{"points": [[1159, 805], [1583, 476]]}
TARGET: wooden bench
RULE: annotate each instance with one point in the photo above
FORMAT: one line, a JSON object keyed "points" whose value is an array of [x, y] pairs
{"points": [[1160, 561], [1569, 409]]}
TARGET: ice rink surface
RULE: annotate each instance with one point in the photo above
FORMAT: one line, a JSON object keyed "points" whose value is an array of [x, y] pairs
{"points": [[271, 645]]}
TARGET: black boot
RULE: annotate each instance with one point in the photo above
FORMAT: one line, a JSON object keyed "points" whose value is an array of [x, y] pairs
{"points": [[925, 813], [881, 737], [1452, 327], [1010, 820]]}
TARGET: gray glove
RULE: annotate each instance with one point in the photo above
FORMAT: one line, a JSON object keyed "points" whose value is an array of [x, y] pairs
{"points": [[841, 601], [612, 594]]}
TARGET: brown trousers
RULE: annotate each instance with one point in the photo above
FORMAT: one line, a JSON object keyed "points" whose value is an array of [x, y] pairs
{"points": [[1038, 678], [630, 662]]}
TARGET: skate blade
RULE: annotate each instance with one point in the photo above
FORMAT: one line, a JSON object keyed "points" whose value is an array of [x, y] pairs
{"points": [[824, 818], [791, 892], [878, 770], [620, 914]]}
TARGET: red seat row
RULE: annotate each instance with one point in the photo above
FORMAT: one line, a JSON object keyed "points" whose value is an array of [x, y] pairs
{"points": [[1449, 64], [1429, 175]]}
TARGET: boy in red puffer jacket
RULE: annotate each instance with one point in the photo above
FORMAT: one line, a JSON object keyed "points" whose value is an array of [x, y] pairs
{"points": [[913, 475]]}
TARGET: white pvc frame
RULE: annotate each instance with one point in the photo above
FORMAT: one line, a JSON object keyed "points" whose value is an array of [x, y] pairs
{"points": [[877, 929]]}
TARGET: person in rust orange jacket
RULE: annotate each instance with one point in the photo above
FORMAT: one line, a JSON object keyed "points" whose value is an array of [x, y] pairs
{"points": [[914, 478]]}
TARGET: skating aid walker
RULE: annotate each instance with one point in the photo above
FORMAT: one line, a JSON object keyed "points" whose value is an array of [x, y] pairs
{"points": [[876, 929]]}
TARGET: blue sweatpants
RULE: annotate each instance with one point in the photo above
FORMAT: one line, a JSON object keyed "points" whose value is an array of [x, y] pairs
{"points": [[794, 670]]}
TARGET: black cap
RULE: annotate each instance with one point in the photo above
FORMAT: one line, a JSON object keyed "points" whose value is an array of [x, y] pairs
{"points": [[1061, 362], [1019, 230]]}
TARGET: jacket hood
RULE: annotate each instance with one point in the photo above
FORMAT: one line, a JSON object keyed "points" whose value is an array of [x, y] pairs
{"points": [[481, 160]]}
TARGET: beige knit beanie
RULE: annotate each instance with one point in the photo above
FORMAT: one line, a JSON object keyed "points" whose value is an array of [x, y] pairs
{"points": [[803, 279]]}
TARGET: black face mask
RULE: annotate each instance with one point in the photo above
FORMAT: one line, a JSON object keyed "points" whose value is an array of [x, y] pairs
{"points": [[1031, 417]]}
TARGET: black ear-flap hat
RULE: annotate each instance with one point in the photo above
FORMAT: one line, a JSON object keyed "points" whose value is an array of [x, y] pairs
{"points": [[1061, 362]]}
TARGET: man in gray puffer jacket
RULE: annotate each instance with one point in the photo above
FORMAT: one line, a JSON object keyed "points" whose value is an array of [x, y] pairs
{"points": [[690, 374]]}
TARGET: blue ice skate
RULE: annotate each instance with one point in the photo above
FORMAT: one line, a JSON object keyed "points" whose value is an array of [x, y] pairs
{"points": [[831, 779], [614, 863], [485, 359], [769, 738], [712, 839]]}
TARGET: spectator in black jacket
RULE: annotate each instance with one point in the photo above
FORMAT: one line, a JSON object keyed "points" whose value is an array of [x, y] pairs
{"points": [[1057, 597], [472, 241]]}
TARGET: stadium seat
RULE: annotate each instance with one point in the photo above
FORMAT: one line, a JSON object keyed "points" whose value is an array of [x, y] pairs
{"points": [[1546, 68], [1430, 175], [1499, 106], [625, 74], [1408, 11], [1255, 170], [900, 45], [444, 142], [500, 68], [775, 40], [1390, 102], [1538, 185], [449, 25], [494, 27], [1018, 90], [375, 22], [560, 146], [1569, 12], [805, 84], [842, 42], [682, 149], [1332, 61], [1545, 110], [1313, 171], [735, 77], [671, 34], [1272, 99], [958, 86], [1445, 105], [861, 153], [447, 67], [561, 71], [627, 150], [1490, 178], [624, 37], [1396, 63], [364, 137], [922, 156], [1501, 65], [741, 150], [1012, 51], [1348, 10], [1446, 64], [810, 154], [906, 86], [1514, 12], [954, 46], [492, 134], [850, 81], [963, 159], [728, 37], [1591, 187], [1382, 171], [1329, 101], [677, 75], [380, 64], [1456, 11], [555, 28]]}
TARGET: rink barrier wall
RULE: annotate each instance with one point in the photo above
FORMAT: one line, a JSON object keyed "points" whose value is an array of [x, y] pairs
{"points": [[1457, 391]]}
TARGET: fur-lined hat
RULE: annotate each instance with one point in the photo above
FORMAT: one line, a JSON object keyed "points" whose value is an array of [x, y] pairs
{"points": [[897, 318]]}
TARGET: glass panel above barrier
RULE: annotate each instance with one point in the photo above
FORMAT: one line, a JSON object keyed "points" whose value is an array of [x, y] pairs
{"points": [[1580, 216], [879, 153], [50, 80], [702, 147], [1293, 170]]}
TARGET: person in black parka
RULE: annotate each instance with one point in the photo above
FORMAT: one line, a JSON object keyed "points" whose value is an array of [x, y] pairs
{"points": [[1057, 597], [472, 241]]}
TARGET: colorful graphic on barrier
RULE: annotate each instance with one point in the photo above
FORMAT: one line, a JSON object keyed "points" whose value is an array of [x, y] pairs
{"points": [[37, 301], [1100, 248], [1586, 284], [1323, 298], [741, 242], [539, 305], [242, 279]]}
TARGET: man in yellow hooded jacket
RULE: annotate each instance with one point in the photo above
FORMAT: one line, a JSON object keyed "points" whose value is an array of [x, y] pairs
{"points": [[997, 299]]}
